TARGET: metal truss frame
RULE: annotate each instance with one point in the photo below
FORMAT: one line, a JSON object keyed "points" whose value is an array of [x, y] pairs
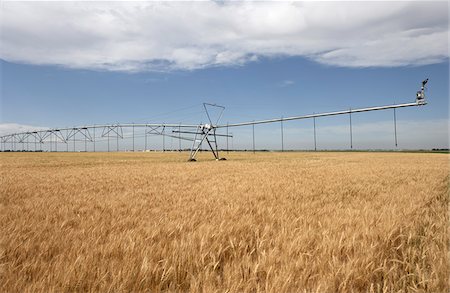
{"points": [[203, 132]]}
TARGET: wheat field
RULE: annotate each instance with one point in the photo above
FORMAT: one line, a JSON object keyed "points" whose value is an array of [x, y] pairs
{"points": [[265, 222]]}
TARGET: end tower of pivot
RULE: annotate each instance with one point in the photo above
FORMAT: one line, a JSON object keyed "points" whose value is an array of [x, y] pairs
{"points": [[420, 95]]}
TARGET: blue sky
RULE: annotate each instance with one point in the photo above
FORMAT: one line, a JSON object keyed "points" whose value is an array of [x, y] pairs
{"points": [[273, 75]]}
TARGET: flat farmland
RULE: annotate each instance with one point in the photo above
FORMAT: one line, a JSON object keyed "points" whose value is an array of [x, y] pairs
{"points": [[264, 222]]}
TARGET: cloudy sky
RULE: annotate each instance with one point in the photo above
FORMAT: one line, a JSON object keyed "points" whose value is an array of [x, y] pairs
{"points": [[76, 63]]}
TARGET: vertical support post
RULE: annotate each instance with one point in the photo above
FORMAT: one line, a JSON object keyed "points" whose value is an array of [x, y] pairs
{"points": [[192, 154], [227, 139], [395, 128], [85, 140], [216, 144], [35, 142], [74, 134], [133, 137], [145, 138], [164, 139], [315, 142], [117, 138], [109, 129], [179, 138], [67, 140], [56, 143], [282, 135], [253, 128], [201, 141], [351, 132], [93, 137], [51, 142]]}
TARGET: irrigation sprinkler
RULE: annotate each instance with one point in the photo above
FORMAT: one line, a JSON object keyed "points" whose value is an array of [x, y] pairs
{"points": [[197, 134]]}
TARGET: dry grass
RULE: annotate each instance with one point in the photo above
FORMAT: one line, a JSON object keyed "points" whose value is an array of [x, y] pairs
{"points": [[291, 222]]}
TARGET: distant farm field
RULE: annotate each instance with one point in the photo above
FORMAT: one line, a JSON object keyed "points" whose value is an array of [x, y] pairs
{"points": [[265, 222]]}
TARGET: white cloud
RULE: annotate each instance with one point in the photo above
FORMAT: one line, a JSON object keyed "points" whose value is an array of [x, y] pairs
{"points": [[140, 36], [10, 128]]}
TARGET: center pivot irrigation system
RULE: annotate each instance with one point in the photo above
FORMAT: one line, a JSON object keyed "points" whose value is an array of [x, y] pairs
{"points": [[198, 134]]}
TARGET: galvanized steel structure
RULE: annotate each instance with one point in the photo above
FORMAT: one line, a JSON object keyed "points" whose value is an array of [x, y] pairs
{"points": [[195, 133]]}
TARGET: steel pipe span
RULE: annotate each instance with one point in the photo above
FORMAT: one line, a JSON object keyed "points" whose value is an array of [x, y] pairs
{"points": [[104, 126], [350, 111], [200, 132], [194, 126]]}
